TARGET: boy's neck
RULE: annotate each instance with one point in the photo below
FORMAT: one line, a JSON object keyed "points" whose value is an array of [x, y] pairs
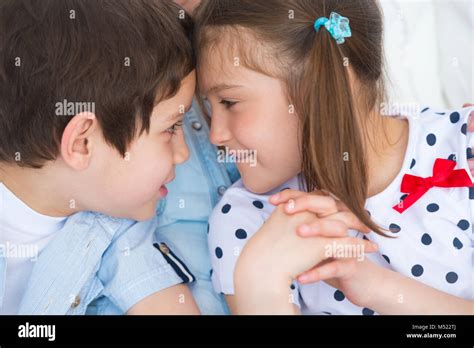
{"points": [[37, 190]]}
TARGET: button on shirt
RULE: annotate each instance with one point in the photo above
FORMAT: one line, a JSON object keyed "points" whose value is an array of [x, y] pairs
{"points": [[183, 215], [96, 264]]}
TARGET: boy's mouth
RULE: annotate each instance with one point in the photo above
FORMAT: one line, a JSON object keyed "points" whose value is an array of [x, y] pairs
{"points": [[163, 191]]}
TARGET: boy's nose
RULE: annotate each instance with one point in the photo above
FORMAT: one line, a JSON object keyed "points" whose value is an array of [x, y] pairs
{"points": [[181, 151]]}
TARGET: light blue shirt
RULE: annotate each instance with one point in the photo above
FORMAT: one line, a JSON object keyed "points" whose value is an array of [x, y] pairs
{"points": [[97, 264]]}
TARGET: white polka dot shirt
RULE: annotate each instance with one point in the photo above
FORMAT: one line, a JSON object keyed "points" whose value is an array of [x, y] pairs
{"points": [[434, 236]]}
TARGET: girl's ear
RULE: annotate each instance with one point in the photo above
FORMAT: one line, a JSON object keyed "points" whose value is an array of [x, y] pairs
{"points": [[76, 144]]}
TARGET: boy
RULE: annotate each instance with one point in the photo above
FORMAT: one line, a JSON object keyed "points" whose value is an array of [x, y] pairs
{"points": [[92, 94]]}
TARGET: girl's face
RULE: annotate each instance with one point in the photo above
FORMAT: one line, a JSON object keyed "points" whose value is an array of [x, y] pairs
{"points": [[251, 117]]}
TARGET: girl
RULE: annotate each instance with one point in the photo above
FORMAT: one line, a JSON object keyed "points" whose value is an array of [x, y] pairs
{"points": [[299, 83]]}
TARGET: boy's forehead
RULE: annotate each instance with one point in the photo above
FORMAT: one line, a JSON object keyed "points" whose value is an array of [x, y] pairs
{"points": [[173, 108], [183, 96]]}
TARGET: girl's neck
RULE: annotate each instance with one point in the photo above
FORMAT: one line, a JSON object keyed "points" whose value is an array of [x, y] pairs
{"points": [[386, 149]]}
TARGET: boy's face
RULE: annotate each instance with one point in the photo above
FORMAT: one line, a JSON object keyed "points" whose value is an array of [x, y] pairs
{"points": [[251, 115], [130, 187]]}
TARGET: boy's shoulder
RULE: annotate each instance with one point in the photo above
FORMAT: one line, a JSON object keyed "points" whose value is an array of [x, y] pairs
{"points": [[95, 255]]}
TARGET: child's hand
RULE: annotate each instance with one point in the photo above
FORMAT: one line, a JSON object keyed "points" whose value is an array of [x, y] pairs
{"points": [[470, 128], [334, 220], [277, 254], [357, 279]]}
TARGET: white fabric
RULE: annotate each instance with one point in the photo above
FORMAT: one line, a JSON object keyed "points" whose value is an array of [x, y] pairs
{"points": [[435, 247], [23, 234], [429, 51]]}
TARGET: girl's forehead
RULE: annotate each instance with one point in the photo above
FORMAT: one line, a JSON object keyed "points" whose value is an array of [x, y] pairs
{"points": [[212, 73]]}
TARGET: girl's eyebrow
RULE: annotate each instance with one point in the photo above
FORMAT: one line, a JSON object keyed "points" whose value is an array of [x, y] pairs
{"points": [[220, 87]]}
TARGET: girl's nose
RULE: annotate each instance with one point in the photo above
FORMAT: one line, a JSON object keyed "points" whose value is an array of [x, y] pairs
{"points": [[219, 134]]}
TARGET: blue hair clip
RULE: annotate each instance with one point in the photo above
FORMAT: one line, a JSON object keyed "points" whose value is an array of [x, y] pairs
{"points": [[337, 25]]}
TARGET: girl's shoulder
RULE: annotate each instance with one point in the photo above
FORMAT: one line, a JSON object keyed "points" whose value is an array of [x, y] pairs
{"points": [[452, 121], [240, 213], [440, 133], [429, 114]]}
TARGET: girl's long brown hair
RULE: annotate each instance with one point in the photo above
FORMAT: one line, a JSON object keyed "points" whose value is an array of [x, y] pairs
{"points": [[276, 37]]}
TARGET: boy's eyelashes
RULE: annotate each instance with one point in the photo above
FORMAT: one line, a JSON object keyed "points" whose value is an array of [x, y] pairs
{"points": [[172, 130]]}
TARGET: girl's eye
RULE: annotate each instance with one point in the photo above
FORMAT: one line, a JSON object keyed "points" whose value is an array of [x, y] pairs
{"points": [[175, 127], [228, 104]]}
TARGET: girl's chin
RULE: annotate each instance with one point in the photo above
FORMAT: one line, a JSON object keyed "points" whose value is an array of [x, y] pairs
{"points": [[256, 187]]}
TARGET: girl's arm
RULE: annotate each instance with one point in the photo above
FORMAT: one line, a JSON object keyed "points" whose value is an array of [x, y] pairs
{"points": [[403, 295], [387, 292], [275, 255], [369, 285]]}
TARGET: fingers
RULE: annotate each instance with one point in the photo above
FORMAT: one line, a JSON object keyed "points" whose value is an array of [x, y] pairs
{"points": [[319, 205], [290, 196], [329, 270], [471, 165], [337, 248], [285, 195], [349, 247], [357, 244], [335, 225], [470, 123], [323, 228]]}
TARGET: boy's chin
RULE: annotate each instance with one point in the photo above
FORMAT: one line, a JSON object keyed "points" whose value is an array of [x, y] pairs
{"points": [[143, 214]]}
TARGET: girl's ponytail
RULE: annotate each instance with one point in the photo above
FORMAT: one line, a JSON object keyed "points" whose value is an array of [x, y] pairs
{"points": [[333, 148], [315, 70]]}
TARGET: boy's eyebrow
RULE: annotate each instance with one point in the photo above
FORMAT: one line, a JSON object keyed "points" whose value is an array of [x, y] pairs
{"points": [[178, 114], [220, 87]]}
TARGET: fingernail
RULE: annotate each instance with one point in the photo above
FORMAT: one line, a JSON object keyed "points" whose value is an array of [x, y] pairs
{"points": [[291, 205], [303, 278], [275, 197], [305, 229]]}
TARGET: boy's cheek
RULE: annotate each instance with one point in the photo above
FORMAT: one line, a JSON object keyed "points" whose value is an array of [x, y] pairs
{"points": [[129, 186]]}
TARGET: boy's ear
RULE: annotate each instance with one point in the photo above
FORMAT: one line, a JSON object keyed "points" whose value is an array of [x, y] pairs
{"points": [[76, 147]]}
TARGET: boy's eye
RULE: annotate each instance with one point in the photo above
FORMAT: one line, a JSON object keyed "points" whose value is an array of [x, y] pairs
{"points": [[175, 127], [228, 104]]}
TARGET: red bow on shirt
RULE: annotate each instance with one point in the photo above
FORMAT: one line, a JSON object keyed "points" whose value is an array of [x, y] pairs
{"points": [[444, 175]]}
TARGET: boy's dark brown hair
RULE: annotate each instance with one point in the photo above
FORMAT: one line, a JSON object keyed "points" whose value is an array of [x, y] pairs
{"points": [[122, 55], [277, 38]]}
